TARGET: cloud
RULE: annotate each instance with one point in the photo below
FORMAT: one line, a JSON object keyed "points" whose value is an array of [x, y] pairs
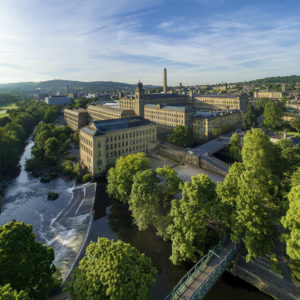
{"points": [[95, 40]]}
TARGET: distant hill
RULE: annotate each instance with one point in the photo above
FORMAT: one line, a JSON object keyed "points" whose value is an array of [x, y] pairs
{"points": [[51, 86], [292, 79]]}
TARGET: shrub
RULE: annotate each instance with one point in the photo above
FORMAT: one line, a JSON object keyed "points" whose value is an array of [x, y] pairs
{"points": [[52, 195]]}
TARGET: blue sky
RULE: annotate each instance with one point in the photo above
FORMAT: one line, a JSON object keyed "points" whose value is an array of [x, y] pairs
{"points": [[199, 41]]}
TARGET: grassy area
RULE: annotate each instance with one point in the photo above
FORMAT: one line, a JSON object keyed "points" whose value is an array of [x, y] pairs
{"points": [[4, 108], [293, 133]]}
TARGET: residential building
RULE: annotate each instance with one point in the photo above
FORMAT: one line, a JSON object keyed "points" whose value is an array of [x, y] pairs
{"points": [[103, 142]]}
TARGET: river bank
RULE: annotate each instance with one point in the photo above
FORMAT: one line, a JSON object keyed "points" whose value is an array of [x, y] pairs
{"points": [[62, 224]]}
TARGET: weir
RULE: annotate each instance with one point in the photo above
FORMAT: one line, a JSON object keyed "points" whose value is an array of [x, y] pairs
{"points": [[197, 282]]}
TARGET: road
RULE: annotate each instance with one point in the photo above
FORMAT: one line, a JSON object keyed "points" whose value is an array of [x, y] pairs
{"points": [[212, 146]]}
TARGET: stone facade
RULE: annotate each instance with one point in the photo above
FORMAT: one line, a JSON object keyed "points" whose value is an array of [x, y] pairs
{"points": [[102, 112], [103, 142], [215, 101], [267, 94], [76, 118], [208, 125]]}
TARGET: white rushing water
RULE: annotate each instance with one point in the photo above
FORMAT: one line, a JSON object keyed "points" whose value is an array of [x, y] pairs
{"points": [[25, 200]]}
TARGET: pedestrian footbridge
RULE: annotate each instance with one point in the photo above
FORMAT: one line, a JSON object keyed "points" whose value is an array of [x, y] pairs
{"points": [[196, 283]]}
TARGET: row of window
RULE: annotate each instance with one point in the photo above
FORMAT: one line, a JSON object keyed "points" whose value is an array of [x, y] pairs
{"points": [[130, 134]]}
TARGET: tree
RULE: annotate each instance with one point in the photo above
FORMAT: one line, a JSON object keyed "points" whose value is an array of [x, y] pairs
{"points": [[120, 177], [258, 153], [289, 156], [170, 183], [272, 115], [291, 221], [228, 192], [24, 263], [182, 136], [235, 140], [144, 199], [295, 123], [295, 178], [190, 218], [249, 118], [7, 293], [112, 270], [253, 221], [52, 148]]}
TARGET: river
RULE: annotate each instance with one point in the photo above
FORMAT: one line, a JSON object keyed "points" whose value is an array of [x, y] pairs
{"points": [[25, 200]]}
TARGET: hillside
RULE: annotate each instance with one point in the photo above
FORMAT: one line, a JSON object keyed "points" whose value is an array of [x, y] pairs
{"points": [[52, 86], [292, 79]]}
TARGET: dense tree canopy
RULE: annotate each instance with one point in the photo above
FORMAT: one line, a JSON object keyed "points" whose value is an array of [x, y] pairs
{"points": [[120, 177], [291, 221], [249, 193], [190, 218], [295, 123], [144, 201], [114, 271], [272, 115], [25, 264], [7, 293], [249, 118], [13, 133], [182, 136]]}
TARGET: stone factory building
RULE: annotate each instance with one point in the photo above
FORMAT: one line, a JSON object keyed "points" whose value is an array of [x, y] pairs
{"points": [[76, 118], [267, 94], [103, 142]]}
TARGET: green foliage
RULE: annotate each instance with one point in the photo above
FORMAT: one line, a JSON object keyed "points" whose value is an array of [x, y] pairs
{"points": [[228, 191], [295, 123], [250, 194], [182, 136], [52, 195], [7, 293], [295, 178], [86, 177], [249, 118], [291, 221], [190, 218], [235, 140], [289, 156], [258, 152], [120, 177], [144, 199], [272, 115], [24, 263], [48, 149], [253, 221], [112, 270], [51, 113], [170, 183]]}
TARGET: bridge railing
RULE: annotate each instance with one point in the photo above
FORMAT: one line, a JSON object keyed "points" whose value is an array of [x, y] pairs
{"points": [[194, 271], [215, 274]]}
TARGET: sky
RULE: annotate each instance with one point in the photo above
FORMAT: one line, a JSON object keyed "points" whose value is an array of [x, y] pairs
{"points": [[198, 41]]}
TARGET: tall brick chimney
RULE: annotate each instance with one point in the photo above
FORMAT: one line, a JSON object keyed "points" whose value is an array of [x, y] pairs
{"points": [[165, 81]]}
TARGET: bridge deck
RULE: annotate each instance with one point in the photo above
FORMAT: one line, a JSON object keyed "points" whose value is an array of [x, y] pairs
{"points": [[196, 283]]}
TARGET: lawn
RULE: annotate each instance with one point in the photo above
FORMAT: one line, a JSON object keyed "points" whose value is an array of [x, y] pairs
{"points": [[4, 108], [293, 133]]}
